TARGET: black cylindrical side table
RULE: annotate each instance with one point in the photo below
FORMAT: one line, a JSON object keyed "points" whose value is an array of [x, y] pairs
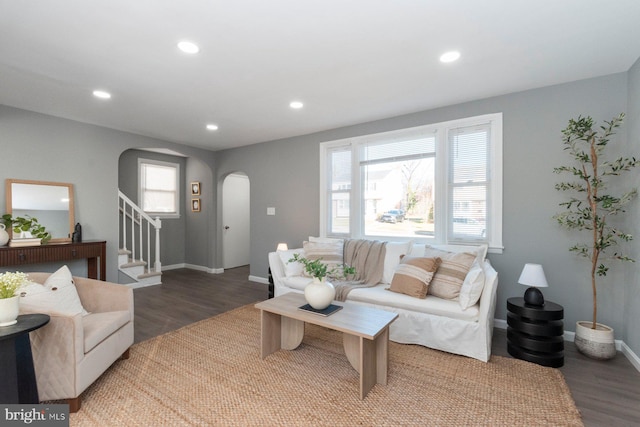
{"points": [[17, 375], [535, 334]]}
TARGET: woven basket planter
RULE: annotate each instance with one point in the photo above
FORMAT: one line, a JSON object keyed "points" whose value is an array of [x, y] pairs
{"points": [[596, 343]]}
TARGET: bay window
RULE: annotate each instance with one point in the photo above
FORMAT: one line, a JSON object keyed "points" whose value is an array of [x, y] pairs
{"points": [[439, 183]]}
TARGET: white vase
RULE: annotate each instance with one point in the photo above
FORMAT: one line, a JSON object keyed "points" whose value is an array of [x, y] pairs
{"points": [[9, 310], [319, 293], [596, 343], [4, 236]]}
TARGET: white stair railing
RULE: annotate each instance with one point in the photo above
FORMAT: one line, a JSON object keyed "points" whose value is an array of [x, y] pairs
{"points": [[130, 211]]}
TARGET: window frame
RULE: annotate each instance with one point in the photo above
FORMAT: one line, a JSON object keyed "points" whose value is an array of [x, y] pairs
{"points": [[442, 165], [166, 215]]}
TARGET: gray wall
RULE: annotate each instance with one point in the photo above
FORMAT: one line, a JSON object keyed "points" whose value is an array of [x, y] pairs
{"points": [[40, 147], [284, 174], [632, 288]]}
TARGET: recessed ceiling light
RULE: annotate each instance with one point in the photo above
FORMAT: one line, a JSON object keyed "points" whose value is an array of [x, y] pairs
{"points": [[188, 47], [296, 105], [454, 55], [101, 94], [211, 126]]}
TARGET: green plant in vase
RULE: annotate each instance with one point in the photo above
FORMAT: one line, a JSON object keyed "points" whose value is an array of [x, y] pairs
{"points": [[320, 293], [316, 268], [26, 224]]}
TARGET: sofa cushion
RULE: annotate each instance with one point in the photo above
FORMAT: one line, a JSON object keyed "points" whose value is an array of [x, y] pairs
{"points": [[57, 294], [479, 250], [472, 286], [450, 276], [299, 282], [294, 268], [413, 276], [417, 250], [99, 326], [325, 240], [393, 252], [379, 296], [331, 253]]}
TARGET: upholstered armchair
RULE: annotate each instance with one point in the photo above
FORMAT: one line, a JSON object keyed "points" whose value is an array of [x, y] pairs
{"points": [[72, 351]]}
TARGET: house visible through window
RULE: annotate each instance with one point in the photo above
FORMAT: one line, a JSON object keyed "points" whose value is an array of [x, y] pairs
{"points": [[159, 188], [439, 183]]}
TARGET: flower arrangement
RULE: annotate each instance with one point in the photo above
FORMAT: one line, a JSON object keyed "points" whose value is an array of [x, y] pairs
{"points": [[10, 283], [320, 270]]}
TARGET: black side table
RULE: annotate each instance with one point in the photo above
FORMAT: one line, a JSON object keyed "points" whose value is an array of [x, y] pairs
{"points": [[535, 333], [17, 375], [271, 285]]}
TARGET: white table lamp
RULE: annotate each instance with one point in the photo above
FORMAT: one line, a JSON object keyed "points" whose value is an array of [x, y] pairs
{"points": [[282, 247], [533, 276]]}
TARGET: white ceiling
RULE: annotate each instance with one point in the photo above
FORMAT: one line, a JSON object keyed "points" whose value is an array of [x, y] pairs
{"points": [[349, 61]]}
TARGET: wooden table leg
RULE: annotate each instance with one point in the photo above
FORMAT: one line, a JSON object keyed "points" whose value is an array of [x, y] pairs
{"points": [[270, 334], [368, 370], [370, 358], [279, 332], [351, 344], [382, 356], [292, 333]]}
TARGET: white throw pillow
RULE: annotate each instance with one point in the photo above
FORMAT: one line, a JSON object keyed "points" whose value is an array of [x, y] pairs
{"points": [[58, 293], [472, 286], [393, 252], [479, 250], [324, 240], [291, 269]]}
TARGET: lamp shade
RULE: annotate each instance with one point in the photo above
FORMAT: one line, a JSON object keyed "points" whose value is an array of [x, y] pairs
{"points": [[533, 275], [282, 247]]}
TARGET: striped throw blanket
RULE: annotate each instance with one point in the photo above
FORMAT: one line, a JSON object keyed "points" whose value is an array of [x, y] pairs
{"points": [[367, 257]]}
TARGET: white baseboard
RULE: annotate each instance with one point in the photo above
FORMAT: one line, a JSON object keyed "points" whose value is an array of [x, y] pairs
{"points": [[571, 335], [633, 358], [140, 285], [258, 279], [194, 267]]}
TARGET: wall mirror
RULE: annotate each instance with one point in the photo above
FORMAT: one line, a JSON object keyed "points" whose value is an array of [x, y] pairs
{"points": [[50, 202]]}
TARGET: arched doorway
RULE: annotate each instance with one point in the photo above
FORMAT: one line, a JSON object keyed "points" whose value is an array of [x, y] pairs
{"points": [[236, 220]]}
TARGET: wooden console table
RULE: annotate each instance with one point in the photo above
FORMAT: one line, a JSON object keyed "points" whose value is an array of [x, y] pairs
{"points": [[54, 252]]}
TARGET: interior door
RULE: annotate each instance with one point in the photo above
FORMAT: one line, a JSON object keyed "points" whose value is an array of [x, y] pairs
{"points": [[236, 220]]}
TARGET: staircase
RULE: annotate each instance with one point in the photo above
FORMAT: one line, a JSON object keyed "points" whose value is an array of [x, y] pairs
{"points": [[139, 239]]}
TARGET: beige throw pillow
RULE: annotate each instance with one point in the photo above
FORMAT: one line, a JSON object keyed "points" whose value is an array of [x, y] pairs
{"points": [[331, 253], [413, 276], [449, 278]]}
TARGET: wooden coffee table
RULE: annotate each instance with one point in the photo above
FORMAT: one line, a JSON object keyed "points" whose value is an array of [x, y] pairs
{"points": [[365, 333]]}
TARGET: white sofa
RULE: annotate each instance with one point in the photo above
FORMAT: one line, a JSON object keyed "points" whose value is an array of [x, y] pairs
{"points": [[432, 322]]}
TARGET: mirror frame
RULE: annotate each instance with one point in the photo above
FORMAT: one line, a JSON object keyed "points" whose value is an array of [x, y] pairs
{"points": [[9, 204]]}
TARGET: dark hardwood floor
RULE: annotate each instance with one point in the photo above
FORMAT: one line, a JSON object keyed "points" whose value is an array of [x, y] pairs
{"points": [[187, 296], [606, 393]]}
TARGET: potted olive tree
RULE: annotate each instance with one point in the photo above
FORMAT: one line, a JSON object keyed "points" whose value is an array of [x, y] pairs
{"points": [[589, 209]]}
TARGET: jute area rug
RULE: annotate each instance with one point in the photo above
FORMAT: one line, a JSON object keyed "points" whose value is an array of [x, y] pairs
{"points": [[210, 373]]}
